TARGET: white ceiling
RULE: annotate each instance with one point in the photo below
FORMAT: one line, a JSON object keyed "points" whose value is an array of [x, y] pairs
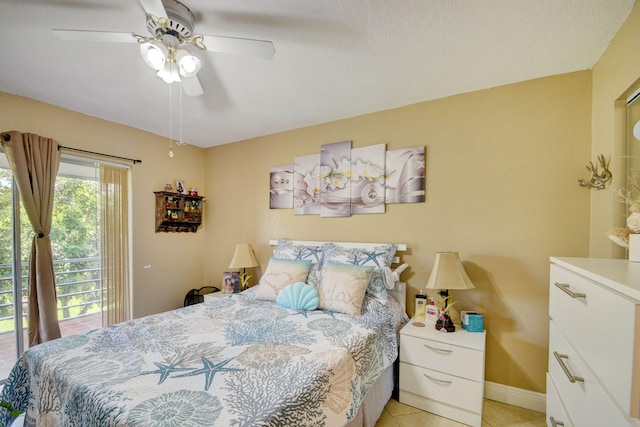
{"points": [[334, 58]]}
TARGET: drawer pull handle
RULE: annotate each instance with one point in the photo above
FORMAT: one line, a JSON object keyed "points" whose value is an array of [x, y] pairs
{"points": [[564, 367], [438, 350], [565, 288], [555, 423], [435, 380]]}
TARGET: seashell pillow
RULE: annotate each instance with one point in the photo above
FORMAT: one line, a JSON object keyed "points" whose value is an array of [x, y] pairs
{"points": [[299, 296], [279, 274]]}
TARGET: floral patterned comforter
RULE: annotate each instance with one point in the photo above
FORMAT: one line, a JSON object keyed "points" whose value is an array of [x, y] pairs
{"points": [[232, 361]]}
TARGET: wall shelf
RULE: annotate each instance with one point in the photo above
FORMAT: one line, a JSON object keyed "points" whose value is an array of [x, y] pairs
{"points": [[177, 212]]}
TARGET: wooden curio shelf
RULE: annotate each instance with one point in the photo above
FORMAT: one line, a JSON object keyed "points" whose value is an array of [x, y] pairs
{"points": [[177, 212]]}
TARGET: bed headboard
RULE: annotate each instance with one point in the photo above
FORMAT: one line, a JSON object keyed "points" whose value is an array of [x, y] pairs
{"points": [[399, 292]]}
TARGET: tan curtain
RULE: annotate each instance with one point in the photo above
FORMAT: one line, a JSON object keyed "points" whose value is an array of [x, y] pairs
{"points": [[114, 225], [34, 161]]}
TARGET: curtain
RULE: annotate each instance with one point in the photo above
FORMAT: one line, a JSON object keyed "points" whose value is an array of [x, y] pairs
{"points": [[34, 161], [114, 226]]}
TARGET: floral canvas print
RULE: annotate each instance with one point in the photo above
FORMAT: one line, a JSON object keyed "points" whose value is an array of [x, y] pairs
{"points": [[368, 180], [335, 183], [306, 185], [405, 171], [281, 187]]}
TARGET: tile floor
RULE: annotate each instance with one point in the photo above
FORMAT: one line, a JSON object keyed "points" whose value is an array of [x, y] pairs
{"points": [[495, 414]]}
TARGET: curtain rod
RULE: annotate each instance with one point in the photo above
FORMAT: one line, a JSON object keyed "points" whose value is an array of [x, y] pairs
{"points": [[7, 137], [134, 161]]}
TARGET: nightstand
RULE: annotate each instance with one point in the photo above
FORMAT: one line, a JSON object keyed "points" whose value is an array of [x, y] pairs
{"points": [[443, 373], [212, 295]]}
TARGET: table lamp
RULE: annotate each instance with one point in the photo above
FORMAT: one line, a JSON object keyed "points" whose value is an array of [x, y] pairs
{"points": [[448, 273], [243, 258]]}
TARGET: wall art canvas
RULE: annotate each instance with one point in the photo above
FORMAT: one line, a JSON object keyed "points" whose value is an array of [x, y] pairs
{"points": [[368, 179], [335, 182], [281, 187], [306, 185], [405, 171]]}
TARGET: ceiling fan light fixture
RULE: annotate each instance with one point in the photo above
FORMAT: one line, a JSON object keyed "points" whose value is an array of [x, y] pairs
{"points": [[169, 73], [154, 54], [188, 64]]}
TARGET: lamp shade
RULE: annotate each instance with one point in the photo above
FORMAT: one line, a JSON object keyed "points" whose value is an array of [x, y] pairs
{"points": [[244, 257], [448, 273]]}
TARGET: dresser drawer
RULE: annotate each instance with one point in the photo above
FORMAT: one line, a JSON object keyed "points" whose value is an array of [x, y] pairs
{"points": [[586, 401], [600, 324], [556, 413], [443, 357], [449, 389]]}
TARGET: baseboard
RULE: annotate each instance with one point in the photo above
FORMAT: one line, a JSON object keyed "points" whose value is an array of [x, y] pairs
{"points": [[515, 396]]}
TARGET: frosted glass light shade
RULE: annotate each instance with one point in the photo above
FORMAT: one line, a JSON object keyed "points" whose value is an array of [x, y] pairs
{"points": [[448, 273], [244, 257], [154, 54], [188, 64], [636, 130]]}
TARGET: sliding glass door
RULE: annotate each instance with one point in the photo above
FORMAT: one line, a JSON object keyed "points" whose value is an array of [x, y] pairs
{"points": [[75, 239]]}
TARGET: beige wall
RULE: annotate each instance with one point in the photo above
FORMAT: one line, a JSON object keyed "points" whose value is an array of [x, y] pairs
{"points": [[617, 71], [173, 261], [502, 171]]}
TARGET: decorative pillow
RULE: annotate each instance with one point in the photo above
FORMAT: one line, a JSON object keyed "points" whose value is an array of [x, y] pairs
{"points": [[378, 258], [287, 249], [299, 296], [279, 274], [343, 287]]}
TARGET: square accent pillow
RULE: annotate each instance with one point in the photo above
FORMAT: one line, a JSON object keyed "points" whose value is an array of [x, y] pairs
{"points": [[279, 274], [378, 258], [343, 287], [287, 249]]}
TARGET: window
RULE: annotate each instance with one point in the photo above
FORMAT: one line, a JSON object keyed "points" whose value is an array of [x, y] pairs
{"points": [[84, 279]]}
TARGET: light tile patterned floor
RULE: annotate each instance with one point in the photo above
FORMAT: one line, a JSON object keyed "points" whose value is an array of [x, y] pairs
{"points": [[495, 414]]}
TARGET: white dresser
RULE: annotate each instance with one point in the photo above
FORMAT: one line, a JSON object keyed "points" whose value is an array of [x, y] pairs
{"points": [[594, 343], [443, 373]]}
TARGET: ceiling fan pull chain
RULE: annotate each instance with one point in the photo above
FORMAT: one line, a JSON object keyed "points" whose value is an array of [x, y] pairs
{"points": [[180, 115], [170, 123]]}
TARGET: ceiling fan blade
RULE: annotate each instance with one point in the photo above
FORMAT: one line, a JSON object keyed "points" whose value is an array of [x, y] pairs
{"points": [[154, 7], [94, 36], [239, 46], [191, 86]]}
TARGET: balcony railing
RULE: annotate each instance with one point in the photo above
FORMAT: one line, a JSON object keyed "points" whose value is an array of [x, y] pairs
{"points": [[77, 287]]}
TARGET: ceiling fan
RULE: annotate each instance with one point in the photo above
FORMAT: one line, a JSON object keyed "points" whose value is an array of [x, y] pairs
{"points": [[171, 24]]}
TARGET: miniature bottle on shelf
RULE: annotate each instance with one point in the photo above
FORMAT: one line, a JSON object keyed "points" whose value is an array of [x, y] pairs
{"points": [[421, 305], [433, 312]]}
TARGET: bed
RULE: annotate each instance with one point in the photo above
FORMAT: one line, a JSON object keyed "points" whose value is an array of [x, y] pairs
{"points": [[242, 360]]}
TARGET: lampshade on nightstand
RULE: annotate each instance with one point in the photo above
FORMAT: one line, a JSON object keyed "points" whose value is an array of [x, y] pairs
{"points": [[448, 273], [244, 258]]}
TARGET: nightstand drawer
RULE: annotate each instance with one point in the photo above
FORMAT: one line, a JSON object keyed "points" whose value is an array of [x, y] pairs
{"points": [[449, 389], [443, 357]]}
